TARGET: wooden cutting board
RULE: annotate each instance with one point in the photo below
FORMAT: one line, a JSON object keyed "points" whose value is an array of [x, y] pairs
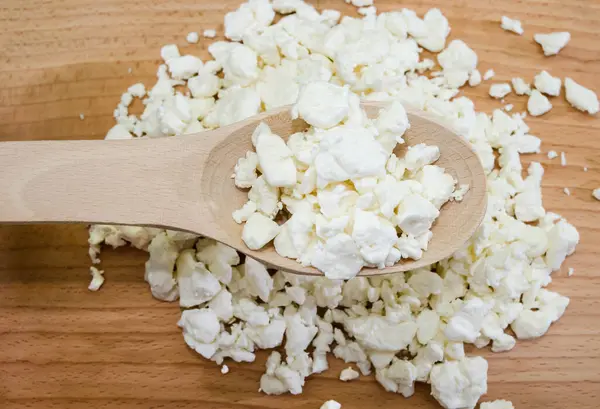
{"points": [[64, 347]]}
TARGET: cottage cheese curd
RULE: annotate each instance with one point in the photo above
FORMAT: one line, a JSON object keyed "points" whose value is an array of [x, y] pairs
{"points": [[405, 328]]}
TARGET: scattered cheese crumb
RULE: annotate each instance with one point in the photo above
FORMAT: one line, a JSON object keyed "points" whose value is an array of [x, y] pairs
{"points": [[581, 97], [520, 86], [489, 74], [552, 154], [500, 90], [348, 374], [511, 25], [81, 116], [192, 37], [97, 279], [563, 159], [547, 84], [571, 271], [129, 70], [508, 107], [224, 369], [552, 43], [209, 33], [538, 104], [475, 78], [585, 169], [497, 404], [596, 193], [567, 191], [331, 404]]}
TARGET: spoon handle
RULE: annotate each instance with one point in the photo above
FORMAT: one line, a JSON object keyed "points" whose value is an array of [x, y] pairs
{"points": [[138, 182]]}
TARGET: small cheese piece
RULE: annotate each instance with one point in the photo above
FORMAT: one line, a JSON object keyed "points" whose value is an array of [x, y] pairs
{"points": [[97, 279], [322, 105], [538, 104], [416, 215], [596, 193], [520, 86], [209, 33], [331, 404], [497, 404], [196, 284], [348, 374], [192, 37], [475, 78], [275, 157], [258, 231], [547, 84], [459, 384], [552, 154], [338, 258], [499, 91], [509, 24], [552, 43], [581, 97], [563, 159], [224, 369], [489, 74]]}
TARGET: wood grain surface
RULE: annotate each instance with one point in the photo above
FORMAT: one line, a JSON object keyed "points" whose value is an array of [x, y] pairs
{"points": [[64, 347]]}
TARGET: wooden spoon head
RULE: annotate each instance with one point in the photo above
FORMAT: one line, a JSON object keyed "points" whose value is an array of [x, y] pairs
{"points": [[457, 222]]}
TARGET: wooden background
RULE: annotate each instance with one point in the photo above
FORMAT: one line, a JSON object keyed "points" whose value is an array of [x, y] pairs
{"points": [[64, 347]]}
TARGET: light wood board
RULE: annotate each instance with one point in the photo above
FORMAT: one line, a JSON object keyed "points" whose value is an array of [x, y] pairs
{"points": [[64, 347]]}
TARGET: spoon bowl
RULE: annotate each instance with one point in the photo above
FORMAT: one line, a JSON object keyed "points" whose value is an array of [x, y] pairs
{"points": [[184, 183]]}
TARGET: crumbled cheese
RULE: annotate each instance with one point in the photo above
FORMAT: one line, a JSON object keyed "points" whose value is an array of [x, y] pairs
{"points": [[209, 33], [497, 404], [192, 37], [509, 24], [567, 191], [393, 326], [571, 271], [552, 154], [331, 404], [508, 107], [596, 193], [499, 91], [224, 369], [97, 279], [489, 74], [520, 86], [81, 116], [547, 84], [348, 374], [581, 97], [475, 78], [563, 159], [538, 104], [552, 43], [258, 231]]}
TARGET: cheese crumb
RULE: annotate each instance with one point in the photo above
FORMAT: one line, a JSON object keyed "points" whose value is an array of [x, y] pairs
{"points": [[581, 97], [596, 193], [547, 84], [552, 43], [520, 86], [97, 279], [489, 74], [563, 159], [192, 37], [348, 374], [499, 91], [571, 271], [331, 404], [209, 33], [497, 404], [567, 191], [511, 25], [224, 369], [552, 154], [538, 104]]}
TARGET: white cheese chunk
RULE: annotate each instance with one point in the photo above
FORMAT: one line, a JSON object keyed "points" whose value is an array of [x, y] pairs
{"points": [[509, 24], [258, 231], [538, 104], [580, 97], [547, 84], [552, 43]]}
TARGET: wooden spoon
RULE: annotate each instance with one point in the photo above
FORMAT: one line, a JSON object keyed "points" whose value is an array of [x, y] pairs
{"points": [[184, 183]]}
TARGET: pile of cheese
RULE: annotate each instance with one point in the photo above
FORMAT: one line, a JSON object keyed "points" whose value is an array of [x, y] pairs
{"points": [[346, 191], [402, 328]]}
